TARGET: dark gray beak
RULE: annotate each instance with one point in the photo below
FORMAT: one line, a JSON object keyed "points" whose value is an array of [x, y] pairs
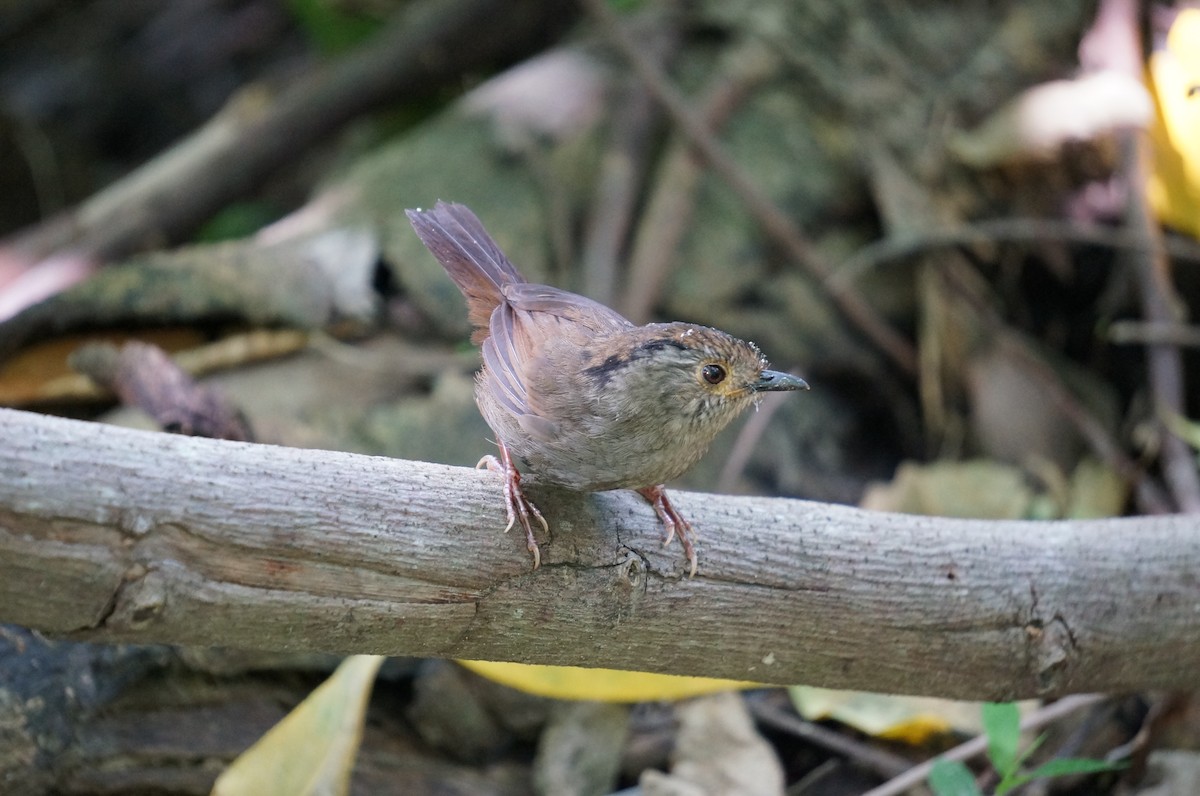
{"points": [[774, 381]]}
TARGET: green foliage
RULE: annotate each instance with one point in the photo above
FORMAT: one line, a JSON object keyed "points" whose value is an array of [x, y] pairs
{"points": [[236, 220], [331, 29], [1002, 726], [952, 778]]}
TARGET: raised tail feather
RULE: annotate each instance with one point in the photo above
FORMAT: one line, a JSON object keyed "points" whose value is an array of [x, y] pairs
{"points": [[456, 237]]}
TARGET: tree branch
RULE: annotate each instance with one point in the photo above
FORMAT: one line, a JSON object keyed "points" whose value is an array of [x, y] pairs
{"points": [[773, 220], [427, 44], [109, 534]]}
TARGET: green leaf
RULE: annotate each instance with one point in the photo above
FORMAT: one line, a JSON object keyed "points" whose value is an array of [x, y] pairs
{"points": [[1011, 783], [1188, 430], [1002, 723], [236, 220], [1014, 778], [1074, 765], [332, 29], [952, 778], [1027, 752], [1057, 768]]}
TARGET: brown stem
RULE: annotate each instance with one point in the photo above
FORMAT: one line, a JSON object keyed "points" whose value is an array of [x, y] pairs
{"points": [[669, 210], [862, 754], [635, 124], [773, 220], [991, 231], [1090, 428], [1164, 362]]}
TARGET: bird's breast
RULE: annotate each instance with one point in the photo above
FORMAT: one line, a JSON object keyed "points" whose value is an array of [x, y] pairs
{"points": [[599, 442]]}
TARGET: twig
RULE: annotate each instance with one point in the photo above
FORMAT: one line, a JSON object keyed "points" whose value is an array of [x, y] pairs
{"points": [[1039, 718], [746, 442], [997, 230], [1115, 43], [1164, 361], [144, 376], [669, 211], [878, 761], [1166, 709], [1149, 332], [1150, 498], [1093, 432], [1099, 717], [635, 123], [774, 221]]}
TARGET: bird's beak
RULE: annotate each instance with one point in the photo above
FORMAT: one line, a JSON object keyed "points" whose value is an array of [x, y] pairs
{"points": [[774, 381]]}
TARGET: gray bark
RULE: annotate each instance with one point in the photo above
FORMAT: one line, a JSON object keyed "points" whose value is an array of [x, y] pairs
{"points": [[109, 534]]}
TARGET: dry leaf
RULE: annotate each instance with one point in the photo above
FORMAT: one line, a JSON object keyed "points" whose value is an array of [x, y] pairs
{"points": [[1043, 118], [911, 720], [980, 489], [311, 752], [600, 685], [718, 753]]}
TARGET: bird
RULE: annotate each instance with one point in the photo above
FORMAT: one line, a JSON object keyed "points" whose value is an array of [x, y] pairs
{"points": [[581, 397]]}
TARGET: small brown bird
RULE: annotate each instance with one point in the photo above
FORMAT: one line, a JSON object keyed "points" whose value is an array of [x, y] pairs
{"points": [[578, 394]]}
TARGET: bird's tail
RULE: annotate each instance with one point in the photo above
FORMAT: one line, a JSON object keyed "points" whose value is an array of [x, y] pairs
{"points": [[456, 237]]}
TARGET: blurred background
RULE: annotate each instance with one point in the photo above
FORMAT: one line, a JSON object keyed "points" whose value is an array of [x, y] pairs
{"points": [[969, 226]]}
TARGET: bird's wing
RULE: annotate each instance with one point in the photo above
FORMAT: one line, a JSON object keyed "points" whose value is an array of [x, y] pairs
{"points": [[505, 361], [569, 307], [538, 338], [515, 369]]}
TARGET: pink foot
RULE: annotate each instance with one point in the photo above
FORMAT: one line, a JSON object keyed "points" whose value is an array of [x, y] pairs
{"points": [[672, 521], [519, 508]]}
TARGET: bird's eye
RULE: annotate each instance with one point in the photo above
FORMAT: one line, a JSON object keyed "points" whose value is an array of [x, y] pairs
{"points": [[713, 374]]}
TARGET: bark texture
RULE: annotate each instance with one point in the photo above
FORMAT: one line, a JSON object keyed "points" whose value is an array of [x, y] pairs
{"points": [[109, 534]]}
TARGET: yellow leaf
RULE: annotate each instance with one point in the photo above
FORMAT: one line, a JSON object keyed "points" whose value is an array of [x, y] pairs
{"points": [[910, 720], [602, 685], [312, 750], [979, 488], [1174, 185], [1096, 491]]}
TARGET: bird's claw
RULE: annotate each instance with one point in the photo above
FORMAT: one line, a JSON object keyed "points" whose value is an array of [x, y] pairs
{"points": [[518, 507], [672, 521]]}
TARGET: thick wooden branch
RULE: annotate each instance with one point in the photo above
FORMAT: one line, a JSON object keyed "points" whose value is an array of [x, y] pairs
{"points": [[109, 534]]}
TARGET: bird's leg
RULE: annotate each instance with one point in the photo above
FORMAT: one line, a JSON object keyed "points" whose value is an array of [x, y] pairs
{"points": [[519, 507], [672, 521]]}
